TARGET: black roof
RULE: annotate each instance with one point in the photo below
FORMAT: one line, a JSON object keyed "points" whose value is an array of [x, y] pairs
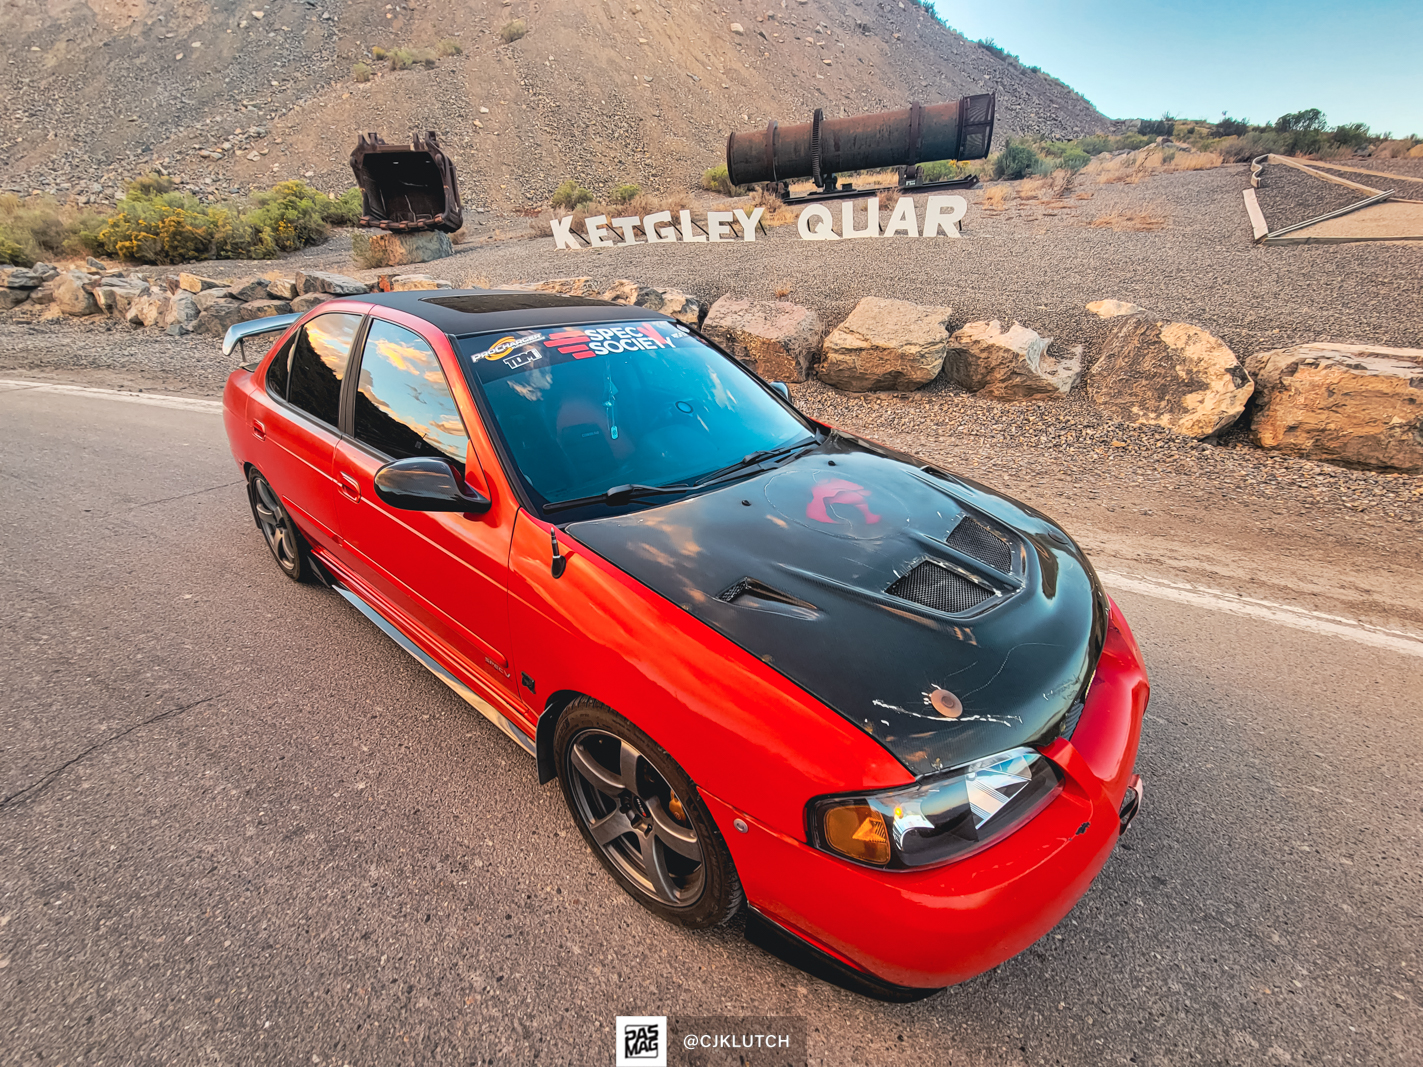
{"points": [[466, 311]]}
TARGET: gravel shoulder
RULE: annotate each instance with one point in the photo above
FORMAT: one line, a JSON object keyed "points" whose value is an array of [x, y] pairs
{"points": [[1224, 514]]}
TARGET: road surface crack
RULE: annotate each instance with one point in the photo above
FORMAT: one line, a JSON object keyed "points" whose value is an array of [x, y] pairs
{"points": [[50, 776]]}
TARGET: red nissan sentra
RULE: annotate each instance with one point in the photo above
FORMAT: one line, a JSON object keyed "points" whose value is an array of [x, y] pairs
{"points": [[770, 663]]}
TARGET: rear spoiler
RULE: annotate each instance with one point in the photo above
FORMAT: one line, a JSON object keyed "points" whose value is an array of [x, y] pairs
{"points": [[238, 332]]}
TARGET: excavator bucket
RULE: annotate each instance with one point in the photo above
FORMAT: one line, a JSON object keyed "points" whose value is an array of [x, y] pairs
{"points": [[405, 188]]}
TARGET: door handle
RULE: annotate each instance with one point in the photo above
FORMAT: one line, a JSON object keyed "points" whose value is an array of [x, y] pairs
{"points": [[349, 486], [258, 430]]}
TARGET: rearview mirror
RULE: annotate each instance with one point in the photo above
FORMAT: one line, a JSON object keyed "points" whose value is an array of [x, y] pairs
{"points": [[424, 483], [783, 389]]}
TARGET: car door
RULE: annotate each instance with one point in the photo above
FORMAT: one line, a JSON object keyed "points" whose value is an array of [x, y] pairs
{"points": [[446, 572], [303, 381]]}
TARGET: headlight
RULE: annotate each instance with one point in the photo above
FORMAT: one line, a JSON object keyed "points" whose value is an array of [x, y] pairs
{"points": [[935, 821]]}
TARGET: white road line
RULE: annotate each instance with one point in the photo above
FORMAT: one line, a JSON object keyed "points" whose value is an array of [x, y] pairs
{"points": [[158, 400], [1281, 614]]}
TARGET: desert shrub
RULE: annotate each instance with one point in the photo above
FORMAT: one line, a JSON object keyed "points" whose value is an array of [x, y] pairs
{"points": [[569, 195], [448, 47], [343, 210], [1351, 134], [1075, 158], [1229, 127], [378, 53], [513, 31], [1310, 120], [13, 255], [291, 213], [1131, 142], [624, 194], [716, 180], [1094, 143], [1016, 161], [408, 58], [1249, 145], [361, 72], [938, 170], [150, 184], [1165, 126]]}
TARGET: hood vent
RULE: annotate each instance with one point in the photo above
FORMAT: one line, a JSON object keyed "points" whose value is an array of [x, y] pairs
{"points": [[935, 586], [982, 542], [752, 593]]}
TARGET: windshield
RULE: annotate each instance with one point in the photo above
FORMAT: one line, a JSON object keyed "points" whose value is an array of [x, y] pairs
{"points": [[585, 408]]}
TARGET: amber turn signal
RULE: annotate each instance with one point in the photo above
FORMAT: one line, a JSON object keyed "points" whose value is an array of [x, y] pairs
{"points": [[859, 832]]}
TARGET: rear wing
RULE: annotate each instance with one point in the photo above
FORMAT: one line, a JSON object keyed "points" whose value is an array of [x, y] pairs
{"points": [[239, 332]]}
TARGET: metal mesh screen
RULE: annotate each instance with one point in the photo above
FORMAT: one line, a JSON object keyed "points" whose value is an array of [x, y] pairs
{"points": [[983, 543], [939, 588]]}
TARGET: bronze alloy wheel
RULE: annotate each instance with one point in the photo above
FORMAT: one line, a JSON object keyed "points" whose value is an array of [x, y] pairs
{"points": [[642, 816]]}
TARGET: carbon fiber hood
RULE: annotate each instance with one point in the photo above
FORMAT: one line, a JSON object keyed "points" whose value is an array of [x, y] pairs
{"points": [[945, 620]]}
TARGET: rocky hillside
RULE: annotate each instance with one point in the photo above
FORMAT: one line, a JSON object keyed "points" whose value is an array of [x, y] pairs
{"points": [[228, 95]]}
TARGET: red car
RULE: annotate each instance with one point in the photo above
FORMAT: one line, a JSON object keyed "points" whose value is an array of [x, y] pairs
{"points": [[886, 708]]}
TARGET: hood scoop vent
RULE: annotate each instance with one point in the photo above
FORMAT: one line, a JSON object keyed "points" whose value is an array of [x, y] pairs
{"points": [[757, 595], [934, 585], [978, 540]]}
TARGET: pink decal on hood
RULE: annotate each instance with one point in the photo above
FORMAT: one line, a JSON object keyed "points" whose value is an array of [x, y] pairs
{"points": [[838, 491]]}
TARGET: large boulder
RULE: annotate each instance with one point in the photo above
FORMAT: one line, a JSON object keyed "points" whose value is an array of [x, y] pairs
{"points": [[196, 283], [566, 286], [404, 283], [681, 306], [1111, 309], [10, 298], [378, 248], [20, 278], [150, 310], [46, 271], [316, 281], [885, 344], [304, 303], [1169, 374], [775, 339], [208, 297], [1010, 364], [1361, 405], [249, 290], [218, 316], [72, 295], [263, 309], [116, 295], [283, 289], [183, 311]]}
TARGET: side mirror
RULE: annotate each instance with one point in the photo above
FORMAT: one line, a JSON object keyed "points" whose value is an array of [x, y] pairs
{"points": [[424, 483], [783, 389]]}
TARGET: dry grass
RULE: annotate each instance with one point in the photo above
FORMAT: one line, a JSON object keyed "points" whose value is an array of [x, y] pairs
{"points": [[996, 197], [1047, 187], [1140, 165], [1129, 221], [782, 291]]}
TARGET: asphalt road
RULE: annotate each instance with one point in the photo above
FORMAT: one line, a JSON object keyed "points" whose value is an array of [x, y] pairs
{"points": [[239, 826]]}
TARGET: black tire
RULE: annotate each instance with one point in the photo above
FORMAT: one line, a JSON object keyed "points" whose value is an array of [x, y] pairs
{"points": [[272, 518], [670, 857]]}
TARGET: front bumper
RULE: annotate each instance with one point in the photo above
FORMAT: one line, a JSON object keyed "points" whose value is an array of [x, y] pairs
{"points": [[932, 928]]}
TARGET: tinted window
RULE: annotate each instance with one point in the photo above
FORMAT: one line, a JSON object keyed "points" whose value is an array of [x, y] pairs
{"points": [[585, 408], [319, 358], [404, 406], [277, 371]]}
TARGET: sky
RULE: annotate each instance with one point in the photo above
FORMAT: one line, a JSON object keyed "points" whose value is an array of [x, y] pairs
{"points": [[1257, 59]]}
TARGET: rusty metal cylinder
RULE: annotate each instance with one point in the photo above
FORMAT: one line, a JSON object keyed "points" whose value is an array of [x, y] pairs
{"points": [[918, 134]]}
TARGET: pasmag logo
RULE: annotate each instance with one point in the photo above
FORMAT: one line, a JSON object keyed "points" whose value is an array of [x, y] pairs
{"points": [[642, 1040]]}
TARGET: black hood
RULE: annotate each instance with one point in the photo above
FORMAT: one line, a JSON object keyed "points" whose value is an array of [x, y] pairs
{"points": [[882, 586]]}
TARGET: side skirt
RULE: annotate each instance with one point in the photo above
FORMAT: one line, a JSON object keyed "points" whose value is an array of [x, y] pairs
{"points": [[468, 695]]}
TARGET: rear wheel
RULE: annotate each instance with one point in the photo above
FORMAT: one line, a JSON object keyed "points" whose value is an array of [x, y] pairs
{"points": [[277, 527], [642, 816]]}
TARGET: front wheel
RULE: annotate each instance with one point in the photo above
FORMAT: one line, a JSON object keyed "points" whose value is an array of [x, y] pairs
{"points": [[642, 816], [277, 527]]}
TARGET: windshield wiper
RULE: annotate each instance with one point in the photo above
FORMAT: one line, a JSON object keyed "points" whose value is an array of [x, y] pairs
{"points": [[754, 459], [617, 494]]}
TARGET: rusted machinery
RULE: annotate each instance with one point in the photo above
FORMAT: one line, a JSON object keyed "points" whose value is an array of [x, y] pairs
{"points": [[406, 187], [822, 148]]}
